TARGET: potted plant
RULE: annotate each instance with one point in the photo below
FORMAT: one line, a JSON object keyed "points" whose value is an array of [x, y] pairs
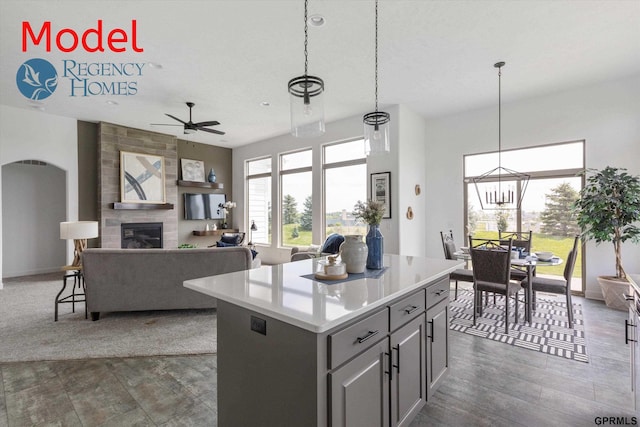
{"points": [[607, 210]]}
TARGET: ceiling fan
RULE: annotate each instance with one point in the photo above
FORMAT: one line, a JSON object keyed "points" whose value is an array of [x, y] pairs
{"points": [[190, 127]]}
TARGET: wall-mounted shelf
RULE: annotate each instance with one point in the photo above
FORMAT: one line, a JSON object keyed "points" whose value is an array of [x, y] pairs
{"points": [[213, 185], [214, 232], [142, 206]]}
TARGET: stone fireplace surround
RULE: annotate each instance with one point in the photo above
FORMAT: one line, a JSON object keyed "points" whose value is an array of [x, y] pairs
{"points": [[111, 140]]}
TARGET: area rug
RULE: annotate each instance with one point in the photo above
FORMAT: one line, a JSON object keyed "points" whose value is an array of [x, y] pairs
{"points": [[548, 333], [28, 331]]}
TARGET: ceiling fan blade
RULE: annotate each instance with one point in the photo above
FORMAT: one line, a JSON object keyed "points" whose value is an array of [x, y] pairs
{"points": [[212, 131], [175, 118], [209, 123], [164, 124]]}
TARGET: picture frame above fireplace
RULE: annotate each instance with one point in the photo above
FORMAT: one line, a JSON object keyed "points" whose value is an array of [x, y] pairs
{"points": [[142, 178]]}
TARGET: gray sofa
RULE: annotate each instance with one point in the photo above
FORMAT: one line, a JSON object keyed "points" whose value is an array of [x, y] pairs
{"points": [[151, 279]]}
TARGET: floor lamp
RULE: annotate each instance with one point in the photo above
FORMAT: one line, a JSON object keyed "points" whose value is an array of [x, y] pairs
{"points": [[79, 231]]}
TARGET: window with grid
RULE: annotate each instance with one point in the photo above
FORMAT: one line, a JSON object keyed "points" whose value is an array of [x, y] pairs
{"points": [[296, 210], [258, 191], [344, 182]]}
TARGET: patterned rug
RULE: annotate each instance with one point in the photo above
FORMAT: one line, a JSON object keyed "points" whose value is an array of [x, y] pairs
{"points": [[548, 333]]}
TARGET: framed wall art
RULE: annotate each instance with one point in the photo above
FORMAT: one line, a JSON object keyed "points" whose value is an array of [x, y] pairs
{"points": [[381, 190], [141, 178], [192, 170]]}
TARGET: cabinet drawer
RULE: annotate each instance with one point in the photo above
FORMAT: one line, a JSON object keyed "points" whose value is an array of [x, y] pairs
{"points": [[406, 309], [437, 292], [356, 338]]}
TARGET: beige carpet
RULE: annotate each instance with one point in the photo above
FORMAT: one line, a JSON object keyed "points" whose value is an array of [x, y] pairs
{"points": [[28, 332]]}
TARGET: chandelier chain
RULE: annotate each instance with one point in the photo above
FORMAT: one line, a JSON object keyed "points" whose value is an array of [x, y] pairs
{"points": [[306, 37]]}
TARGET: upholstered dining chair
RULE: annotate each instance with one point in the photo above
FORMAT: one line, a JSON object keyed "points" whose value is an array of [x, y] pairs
{"points": [[492, 273], [519, 239], [557, 286], [461, 274]]}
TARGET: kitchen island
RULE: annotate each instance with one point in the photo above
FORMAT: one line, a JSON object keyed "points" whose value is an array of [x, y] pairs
{"points": [[293, 351]]}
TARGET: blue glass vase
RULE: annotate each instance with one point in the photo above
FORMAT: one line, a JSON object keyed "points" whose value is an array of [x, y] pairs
{"points": [[212, 176], [375, 244]]}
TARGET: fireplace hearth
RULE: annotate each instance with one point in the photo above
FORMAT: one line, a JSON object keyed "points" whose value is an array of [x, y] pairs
{"points": [[141, 235]]}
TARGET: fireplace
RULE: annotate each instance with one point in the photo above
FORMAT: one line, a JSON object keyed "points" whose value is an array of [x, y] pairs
{"points": [[141, 235]]}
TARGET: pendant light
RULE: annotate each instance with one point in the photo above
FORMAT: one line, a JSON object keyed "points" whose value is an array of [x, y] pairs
{"points": [[501, 193], [376, 124], [305, 96]]}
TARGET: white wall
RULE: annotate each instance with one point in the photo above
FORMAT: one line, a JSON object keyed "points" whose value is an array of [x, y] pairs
{"points": [[606, 116], [26, 134]]}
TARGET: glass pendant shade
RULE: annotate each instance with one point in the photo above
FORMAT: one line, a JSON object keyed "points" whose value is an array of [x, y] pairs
{"points": [[307, 106], [376, 133]]}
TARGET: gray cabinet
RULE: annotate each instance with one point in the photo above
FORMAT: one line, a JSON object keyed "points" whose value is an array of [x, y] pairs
{"points": [[360, 391], [437, 345], [408, 376]]}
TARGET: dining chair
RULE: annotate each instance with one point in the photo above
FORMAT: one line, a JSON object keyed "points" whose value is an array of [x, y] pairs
{"points": [[461, 274], [519, 239], [557, 286], [492, 273]]}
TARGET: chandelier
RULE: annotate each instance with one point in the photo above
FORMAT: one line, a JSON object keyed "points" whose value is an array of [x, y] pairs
{"points": [[500, 183]]}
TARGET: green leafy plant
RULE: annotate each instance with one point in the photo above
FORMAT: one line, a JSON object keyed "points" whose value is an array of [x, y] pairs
{"points": [[370, 212], [607, 209], [187, 246]]}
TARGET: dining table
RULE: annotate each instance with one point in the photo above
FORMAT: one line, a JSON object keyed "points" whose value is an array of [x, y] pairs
{"points": [[530, 263]]}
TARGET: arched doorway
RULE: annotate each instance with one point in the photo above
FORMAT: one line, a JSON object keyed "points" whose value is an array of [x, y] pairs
{"points": [[34, 202]]}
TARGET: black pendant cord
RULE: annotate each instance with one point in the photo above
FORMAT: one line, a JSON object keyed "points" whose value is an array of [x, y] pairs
{"points": [[376, 55], [499, 127], [306, 38]]}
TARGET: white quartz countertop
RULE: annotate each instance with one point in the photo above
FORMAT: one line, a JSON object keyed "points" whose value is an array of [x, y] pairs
{"points": [[280, 291]]}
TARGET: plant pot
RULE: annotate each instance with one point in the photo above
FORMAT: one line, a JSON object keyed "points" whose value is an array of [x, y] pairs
{"points": [[613, 291]]}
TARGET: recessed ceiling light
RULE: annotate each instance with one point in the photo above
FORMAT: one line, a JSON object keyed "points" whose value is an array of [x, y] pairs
{"points": [[154, 65], [316, 20], [110, 102], [265, 103]]}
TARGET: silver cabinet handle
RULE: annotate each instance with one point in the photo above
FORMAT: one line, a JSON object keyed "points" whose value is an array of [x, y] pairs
{"points": [[366, 337], [627, 297], [439, 292]]}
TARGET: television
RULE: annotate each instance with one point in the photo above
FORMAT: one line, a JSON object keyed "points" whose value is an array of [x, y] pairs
{"points": [[203, 206]]}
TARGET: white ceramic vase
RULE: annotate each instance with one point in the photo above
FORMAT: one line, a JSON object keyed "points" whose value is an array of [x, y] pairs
{"points": [[354, 253]]}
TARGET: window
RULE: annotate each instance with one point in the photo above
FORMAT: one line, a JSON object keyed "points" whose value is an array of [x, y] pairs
{"points": [[296, 204], [546, 206], [258, 176], [345, 182]]}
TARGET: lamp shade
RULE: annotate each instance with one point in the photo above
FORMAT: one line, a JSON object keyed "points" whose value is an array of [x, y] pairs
{"points": [[78, 230]]}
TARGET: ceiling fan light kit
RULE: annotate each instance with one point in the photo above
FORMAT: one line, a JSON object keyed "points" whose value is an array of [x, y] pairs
{"points": [[376, 124], [305, 97], [499, 195]]}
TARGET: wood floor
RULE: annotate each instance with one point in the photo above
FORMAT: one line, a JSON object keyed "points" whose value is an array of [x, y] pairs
{"points": [[491, 384]]}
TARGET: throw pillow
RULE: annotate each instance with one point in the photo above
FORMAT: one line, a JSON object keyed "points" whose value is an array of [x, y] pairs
{"points": [[332, 244], [235, 238], [222, 244], [254, 253]]}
